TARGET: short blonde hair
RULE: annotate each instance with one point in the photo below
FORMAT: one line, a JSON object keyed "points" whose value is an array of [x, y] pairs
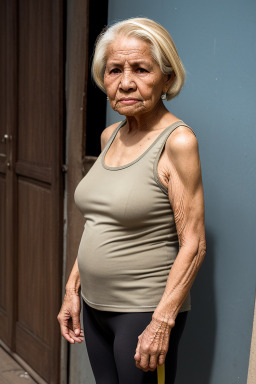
{"points": [[162, 48]]}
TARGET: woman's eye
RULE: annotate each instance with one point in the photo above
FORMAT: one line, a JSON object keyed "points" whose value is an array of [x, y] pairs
{"points": [[114, 70], [142, 70]]}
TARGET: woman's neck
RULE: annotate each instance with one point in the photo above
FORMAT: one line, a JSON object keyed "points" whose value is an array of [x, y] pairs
{"points": [[152, 120]]}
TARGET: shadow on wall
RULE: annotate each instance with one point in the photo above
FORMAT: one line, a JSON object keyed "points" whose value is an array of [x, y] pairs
{"points": [[197, 345]]}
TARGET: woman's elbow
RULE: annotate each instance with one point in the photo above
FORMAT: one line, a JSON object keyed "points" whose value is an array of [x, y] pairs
{"points": [[202, 252], [196, 247]]}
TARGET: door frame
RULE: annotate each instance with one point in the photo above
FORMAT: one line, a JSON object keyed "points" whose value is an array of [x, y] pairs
{"points": [[80, 38]]}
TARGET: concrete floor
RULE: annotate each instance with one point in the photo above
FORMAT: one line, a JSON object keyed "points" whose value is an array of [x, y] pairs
{"points": [[11, 372]]}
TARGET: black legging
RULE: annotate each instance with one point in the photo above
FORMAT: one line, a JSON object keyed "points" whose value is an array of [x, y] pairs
{"points": [[111, 339]]}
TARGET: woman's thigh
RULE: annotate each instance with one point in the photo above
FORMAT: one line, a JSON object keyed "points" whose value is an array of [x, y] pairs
{"points": [[99, 345], [111, 340], [127, 327], [172, 354]]}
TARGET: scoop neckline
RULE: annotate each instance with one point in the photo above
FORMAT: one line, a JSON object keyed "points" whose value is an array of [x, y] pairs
{"points": [[138, 158]]}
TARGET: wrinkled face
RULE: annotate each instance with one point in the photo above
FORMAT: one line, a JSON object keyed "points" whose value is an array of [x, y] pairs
{"points": [[133, 79]]}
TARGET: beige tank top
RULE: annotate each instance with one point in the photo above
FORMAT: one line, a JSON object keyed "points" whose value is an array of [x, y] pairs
{"points": [[130, 240]]}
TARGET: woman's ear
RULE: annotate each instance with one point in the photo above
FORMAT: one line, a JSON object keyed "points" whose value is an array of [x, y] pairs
{"points": [[170, 79]]}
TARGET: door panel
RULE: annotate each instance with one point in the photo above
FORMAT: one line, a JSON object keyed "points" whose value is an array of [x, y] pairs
{"points": [[36, 72], [35, 256]]}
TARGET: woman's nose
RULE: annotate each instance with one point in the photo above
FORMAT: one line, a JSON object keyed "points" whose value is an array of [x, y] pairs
{"points": [[127, 81]]}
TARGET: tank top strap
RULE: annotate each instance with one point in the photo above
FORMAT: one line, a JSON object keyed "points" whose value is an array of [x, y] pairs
{"points": [[153, 152], [114, 133], [159, 143], [163, 135], [159, 147], [166, 132]]}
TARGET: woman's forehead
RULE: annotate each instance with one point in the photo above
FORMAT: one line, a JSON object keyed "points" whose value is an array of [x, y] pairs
{"points": [[124, 47]]}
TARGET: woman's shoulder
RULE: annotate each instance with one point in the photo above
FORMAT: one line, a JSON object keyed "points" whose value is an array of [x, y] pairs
{"points": [[106, 134], [182, 146], [182, 137]]}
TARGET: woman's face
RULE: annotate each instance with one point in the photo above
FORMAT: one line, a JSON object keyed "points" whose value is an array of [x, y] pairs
{"points": [[133, 80]]}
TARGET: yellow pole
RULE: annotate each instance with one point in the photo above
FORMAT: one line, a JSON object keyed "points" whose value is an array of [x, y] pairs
{"points": [[160, 374]]}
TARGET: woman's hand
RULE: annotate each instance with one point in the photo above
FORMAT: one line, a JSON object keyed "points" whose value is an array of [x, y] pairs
{"points": [[153, 345], [69, 317]]}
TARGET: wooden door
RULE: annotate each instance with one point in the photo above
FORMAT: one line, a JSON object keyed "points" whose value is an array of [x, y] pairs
{"points": [[31, 185], [6, 294]]}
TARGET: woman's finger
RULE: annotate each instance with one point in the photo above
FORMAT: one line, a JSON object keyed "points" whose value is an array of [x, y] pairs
{"points": [[72, 334], [153, 362], [65, 333], [161, 359], [144, 361], [137, 355], [72, 329]]}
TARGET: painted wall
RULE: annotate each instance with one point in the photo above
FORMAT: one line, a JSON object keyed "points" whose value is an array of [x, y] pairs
{"points": [[216, 41]]}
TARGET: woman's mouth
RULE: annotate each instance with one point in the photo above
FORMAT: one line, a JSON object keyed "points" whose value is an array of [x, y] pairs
{"points": [[128, 100]]}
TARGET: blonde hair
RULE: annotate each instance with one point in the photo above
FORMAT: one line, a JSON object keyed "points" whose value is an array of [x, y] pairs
{"points": [[162, 48]]}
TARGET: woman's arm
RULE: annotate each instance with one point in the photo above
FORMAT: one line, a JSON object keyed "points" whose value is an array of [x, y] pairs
{"points": [[69, 315], [185, 190], [186, 197], [73, 283]]}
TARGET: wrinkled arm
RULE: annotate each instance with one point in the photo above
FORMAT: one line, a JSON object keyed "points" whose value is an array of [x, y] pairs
{"points": [[73, 283], [69, 315], [185, 192]]}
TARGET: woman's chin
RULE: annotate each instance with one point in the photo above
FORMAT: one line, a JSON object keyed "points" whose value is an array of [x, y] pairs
{"points": [[130, 110]]}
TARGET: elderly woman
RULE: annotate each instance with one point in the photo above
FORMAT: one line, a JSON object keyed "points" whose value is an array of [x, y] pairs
{"points": [[144, 236]]}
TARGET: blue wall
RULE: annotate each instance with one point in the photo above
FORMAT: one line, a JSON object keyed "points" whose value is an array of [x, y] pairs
{"points": [[217, 44]]}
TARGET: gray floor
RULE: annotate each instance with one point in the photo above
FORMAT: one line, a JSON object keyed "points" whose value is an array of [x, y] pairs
{"points": [[11, 372]]}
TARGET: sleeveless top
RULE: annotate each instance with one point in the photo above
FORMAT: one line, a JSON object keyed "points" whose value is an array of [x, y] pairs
{"points": [[130, 240]]}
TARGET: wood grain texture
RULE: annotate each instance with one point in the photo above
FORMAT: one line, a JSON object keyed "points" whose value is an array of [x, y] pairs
{"points": [[76, 85], [2, 247], [36, 93], [39, 159], [8, 60], [3, 148], [36, 282], [31, 187]]}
